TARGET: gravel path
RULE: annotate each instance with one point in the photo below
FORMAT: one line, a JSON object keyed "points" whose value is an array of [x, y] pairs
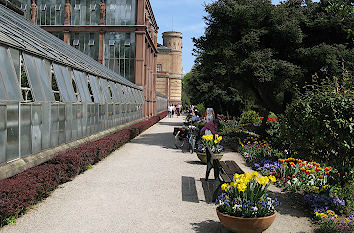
{"points": [[145, 186]]}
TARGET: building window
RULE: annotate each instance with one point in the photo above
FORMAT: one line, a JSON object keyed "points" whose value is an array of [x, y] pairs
{"points": [[158, 68], [120, 53]]}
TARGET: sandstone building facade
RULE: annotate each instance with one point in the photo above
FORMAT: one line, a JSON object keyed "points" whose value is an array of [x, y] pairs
{"points": [[169, 67]]}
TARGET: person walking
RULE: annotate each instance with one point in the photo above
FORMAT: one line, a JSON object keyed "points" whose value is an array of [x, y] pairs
{"points": [[170, 111], [178, 110]]}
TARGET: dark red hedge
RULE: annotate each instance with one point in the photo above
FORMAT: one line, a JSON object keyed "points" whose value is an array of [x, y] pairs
{"points": [[19, 192]]}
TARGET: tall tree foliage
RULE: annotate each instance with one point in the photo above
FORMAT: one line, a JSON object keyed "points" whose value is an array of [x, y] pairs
{"points": [[254, 54]]}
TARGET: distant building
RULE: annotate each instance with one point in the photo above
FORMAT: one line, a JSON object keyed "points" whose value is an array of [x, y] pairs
{"points": [[169, 67], [121, 34]]}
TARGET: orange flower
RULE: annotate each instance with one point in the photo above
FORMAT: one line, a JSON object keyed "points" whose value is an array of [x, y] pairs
{"points": [[327, 173], [328, 169], [321, 177], [309, 166], [318, 169], [303, 169], [308, 171]]}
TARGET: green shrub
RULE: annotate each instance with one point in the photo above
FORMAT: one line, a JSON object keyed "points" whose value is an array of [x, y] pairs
{"points": [[319, 126], [201, 109], [250, 117]]}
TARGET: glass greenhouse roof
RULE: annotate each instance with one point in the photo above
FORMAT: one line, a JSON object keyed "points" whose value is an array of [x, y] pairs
{"points": [[17, 32]]}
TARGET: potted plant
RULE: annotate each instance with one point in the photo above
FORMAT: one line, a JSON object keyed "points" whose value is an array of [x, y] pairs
{"points": [[213, 141], [244, 205]]}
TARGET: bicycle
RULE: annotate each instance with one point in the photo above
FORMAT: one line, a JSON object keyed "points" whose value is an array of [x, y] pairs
{"points": [[192, 138], [180, 137]]}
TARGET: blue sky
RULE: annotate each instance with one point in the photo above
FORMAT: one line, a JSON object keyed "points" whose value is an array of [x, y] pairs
{"points": [[187, 17]]}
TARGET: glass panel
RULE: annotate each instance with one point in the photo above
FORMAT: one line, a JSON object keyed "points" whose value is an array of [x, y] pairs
{"points": [[36, 128], [67, 75], [133, 95], [86, 42], [25, 130], [77, 79], [3, 133], [79, 120], [50, 12], [95, 89], [9, 76], [114, 92], [54, 128], [33, 78], [120, 53], [2, 89], [120, 93], [61, 130], [105, 90], [61, 83], [46, 120], [15, 57], [12, 132], [125, 93], [84, 120], [121, 12], [83, 78], [44, 77], [74, 122]]}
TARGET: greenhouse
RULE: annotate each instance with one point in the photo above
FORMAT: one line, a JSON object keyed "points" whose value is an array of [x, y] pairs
{"points": [[51, 93]]}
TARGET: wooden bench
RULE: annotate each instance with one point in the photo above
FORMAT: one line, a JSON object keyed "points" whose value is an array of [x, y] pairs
{"points": [[223, 171]]}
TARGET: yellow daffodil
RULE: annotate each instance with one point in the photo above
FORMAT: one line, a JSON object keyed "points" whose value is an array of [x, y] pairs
{"points": [[254, 174], [241, 187], [225, 186], [236, 176], [263, 180], [272, 179], [248, 176]]}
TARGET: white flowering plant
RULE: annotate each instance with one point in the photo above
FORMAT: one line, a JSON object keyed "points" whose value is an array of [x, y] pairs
{"points": [[247, 196]]}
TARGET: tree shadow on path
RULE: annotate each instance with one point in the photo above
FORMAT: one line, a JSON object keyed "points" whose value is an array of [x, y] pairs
{"points": [[175, 124], [290, 204], [165, 140]]}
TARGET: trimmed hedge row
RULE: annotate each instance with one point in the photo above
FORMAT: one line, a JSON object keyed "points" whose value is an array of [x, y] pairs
{"points": [[19, 192]]}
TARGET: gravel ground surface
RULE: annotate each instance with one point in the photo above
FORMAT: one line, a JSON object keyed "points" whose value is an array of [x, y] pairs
{"points": [[145, 186]]}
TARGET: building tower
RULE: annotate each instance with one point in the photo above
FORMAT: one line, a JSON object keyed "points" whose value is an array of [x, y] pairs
{"points": [[169, 67]]}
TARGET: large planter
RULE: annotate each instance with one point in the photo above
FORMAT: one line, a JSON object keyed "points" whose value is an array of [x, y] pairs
{"points": [[203, 158], [245, 225]]}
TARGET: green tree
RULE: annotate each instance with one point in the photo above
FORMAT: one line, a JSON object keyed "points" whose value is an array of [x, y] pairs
{"points": [[254, 55], [185, 98]]}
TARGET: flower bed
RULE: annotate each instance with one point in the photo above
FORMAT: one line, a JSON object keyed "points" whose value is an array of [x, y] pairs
{"points": [[319, 184], [25, 189]]}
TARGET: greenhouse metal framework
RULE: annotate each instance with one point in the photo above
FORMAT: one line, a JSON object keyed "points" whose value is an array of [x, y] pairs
{"points": [[51, 93]]}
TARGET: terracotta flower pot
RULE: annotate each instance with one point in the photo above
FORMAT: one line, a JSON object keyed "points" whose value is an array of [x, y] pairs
{"points": [[245, 225], [203, 158]]}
